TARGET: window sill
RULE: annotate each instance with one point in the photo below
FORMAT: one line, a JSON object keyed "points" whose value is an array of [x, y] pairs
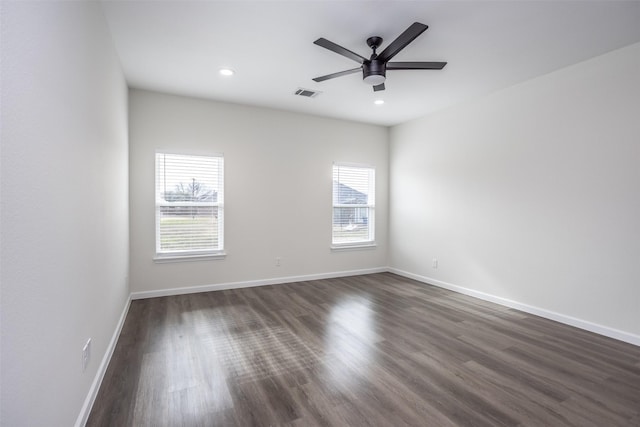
{"points": [[353, 246], [161, 259]]}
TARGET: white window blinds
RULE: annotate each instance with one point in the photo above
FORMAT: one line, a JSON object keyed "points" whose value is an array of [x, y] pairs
{"points": [[189, 204], [353, 204]]}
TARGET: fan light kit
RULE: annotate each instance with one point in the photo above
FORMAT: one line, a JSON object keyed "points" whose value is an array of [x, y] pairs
{"points": [[374, 69], [379, 101], [226, 72]]}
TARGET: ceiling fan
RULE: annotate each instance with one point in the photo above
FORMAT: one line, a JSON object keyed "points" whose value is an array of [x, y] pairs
{"points": [[375, 68]]}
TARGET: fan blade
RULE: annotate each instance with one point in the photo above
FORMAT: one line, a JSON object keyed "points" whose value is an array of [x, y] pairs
{"points": [[340, 50], [378, 87], [415, 65], [338, 74], [402, 41]]}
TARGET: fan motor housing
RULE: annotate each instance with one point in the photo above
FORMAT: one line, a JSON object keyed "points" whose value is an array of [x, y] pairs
{"points": [[374, 71]]}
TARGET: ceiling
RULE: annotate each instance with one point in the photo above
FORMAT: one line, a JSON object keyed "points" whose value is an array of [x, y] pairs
{"points": [[179, 46]]}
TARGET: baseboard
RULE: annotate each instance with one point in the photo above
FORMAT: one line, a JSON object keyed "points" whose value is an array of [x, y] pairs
{"points": [[552, 315], [253, 283], [102, 369]]}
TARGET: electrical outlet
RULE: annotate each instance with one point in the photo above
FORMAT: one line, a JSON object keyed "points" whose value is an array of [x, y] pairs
{"points": [[86, 355], [434, 263], [278, 261]]}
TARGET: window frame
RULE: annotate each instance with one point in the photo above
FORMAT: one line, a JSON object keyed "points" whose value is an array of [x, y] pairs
{"points": [[370, 242], [190, 254]]}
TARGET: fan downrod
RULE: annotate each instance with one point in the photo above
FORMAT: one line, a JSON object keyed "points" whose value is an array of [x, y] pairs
{"points": [[374, 43]]}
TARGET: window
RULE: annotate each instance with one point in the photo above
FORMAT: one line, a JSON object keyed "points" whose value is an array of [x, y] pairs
{"points": [[189, 205], [353, 205]]}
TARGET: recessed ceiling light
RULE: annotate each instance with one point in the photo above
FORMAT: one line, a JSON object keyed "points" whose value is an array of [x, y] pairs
{"points": [[379, 101], [226, 72]]}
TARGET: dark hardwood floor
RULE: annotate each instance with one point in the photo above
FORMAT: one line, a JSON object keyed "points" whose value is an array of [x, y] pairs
{"points": [[374, 350]]}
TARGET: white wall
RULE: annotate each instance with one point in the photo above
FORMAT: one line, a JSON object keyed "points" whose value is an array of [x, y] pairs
{"points": [[64, 207], [531, 194], [277, 188]]}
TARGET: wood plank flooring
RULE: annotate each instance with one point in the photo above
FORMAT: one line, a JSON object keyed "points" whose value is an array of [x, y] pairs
{"points": [[373, 350]]}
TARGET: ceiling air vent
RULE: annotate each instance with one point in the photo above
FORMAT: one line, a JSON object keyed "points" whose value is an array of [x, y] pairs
{"points": [[306, 92]]}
